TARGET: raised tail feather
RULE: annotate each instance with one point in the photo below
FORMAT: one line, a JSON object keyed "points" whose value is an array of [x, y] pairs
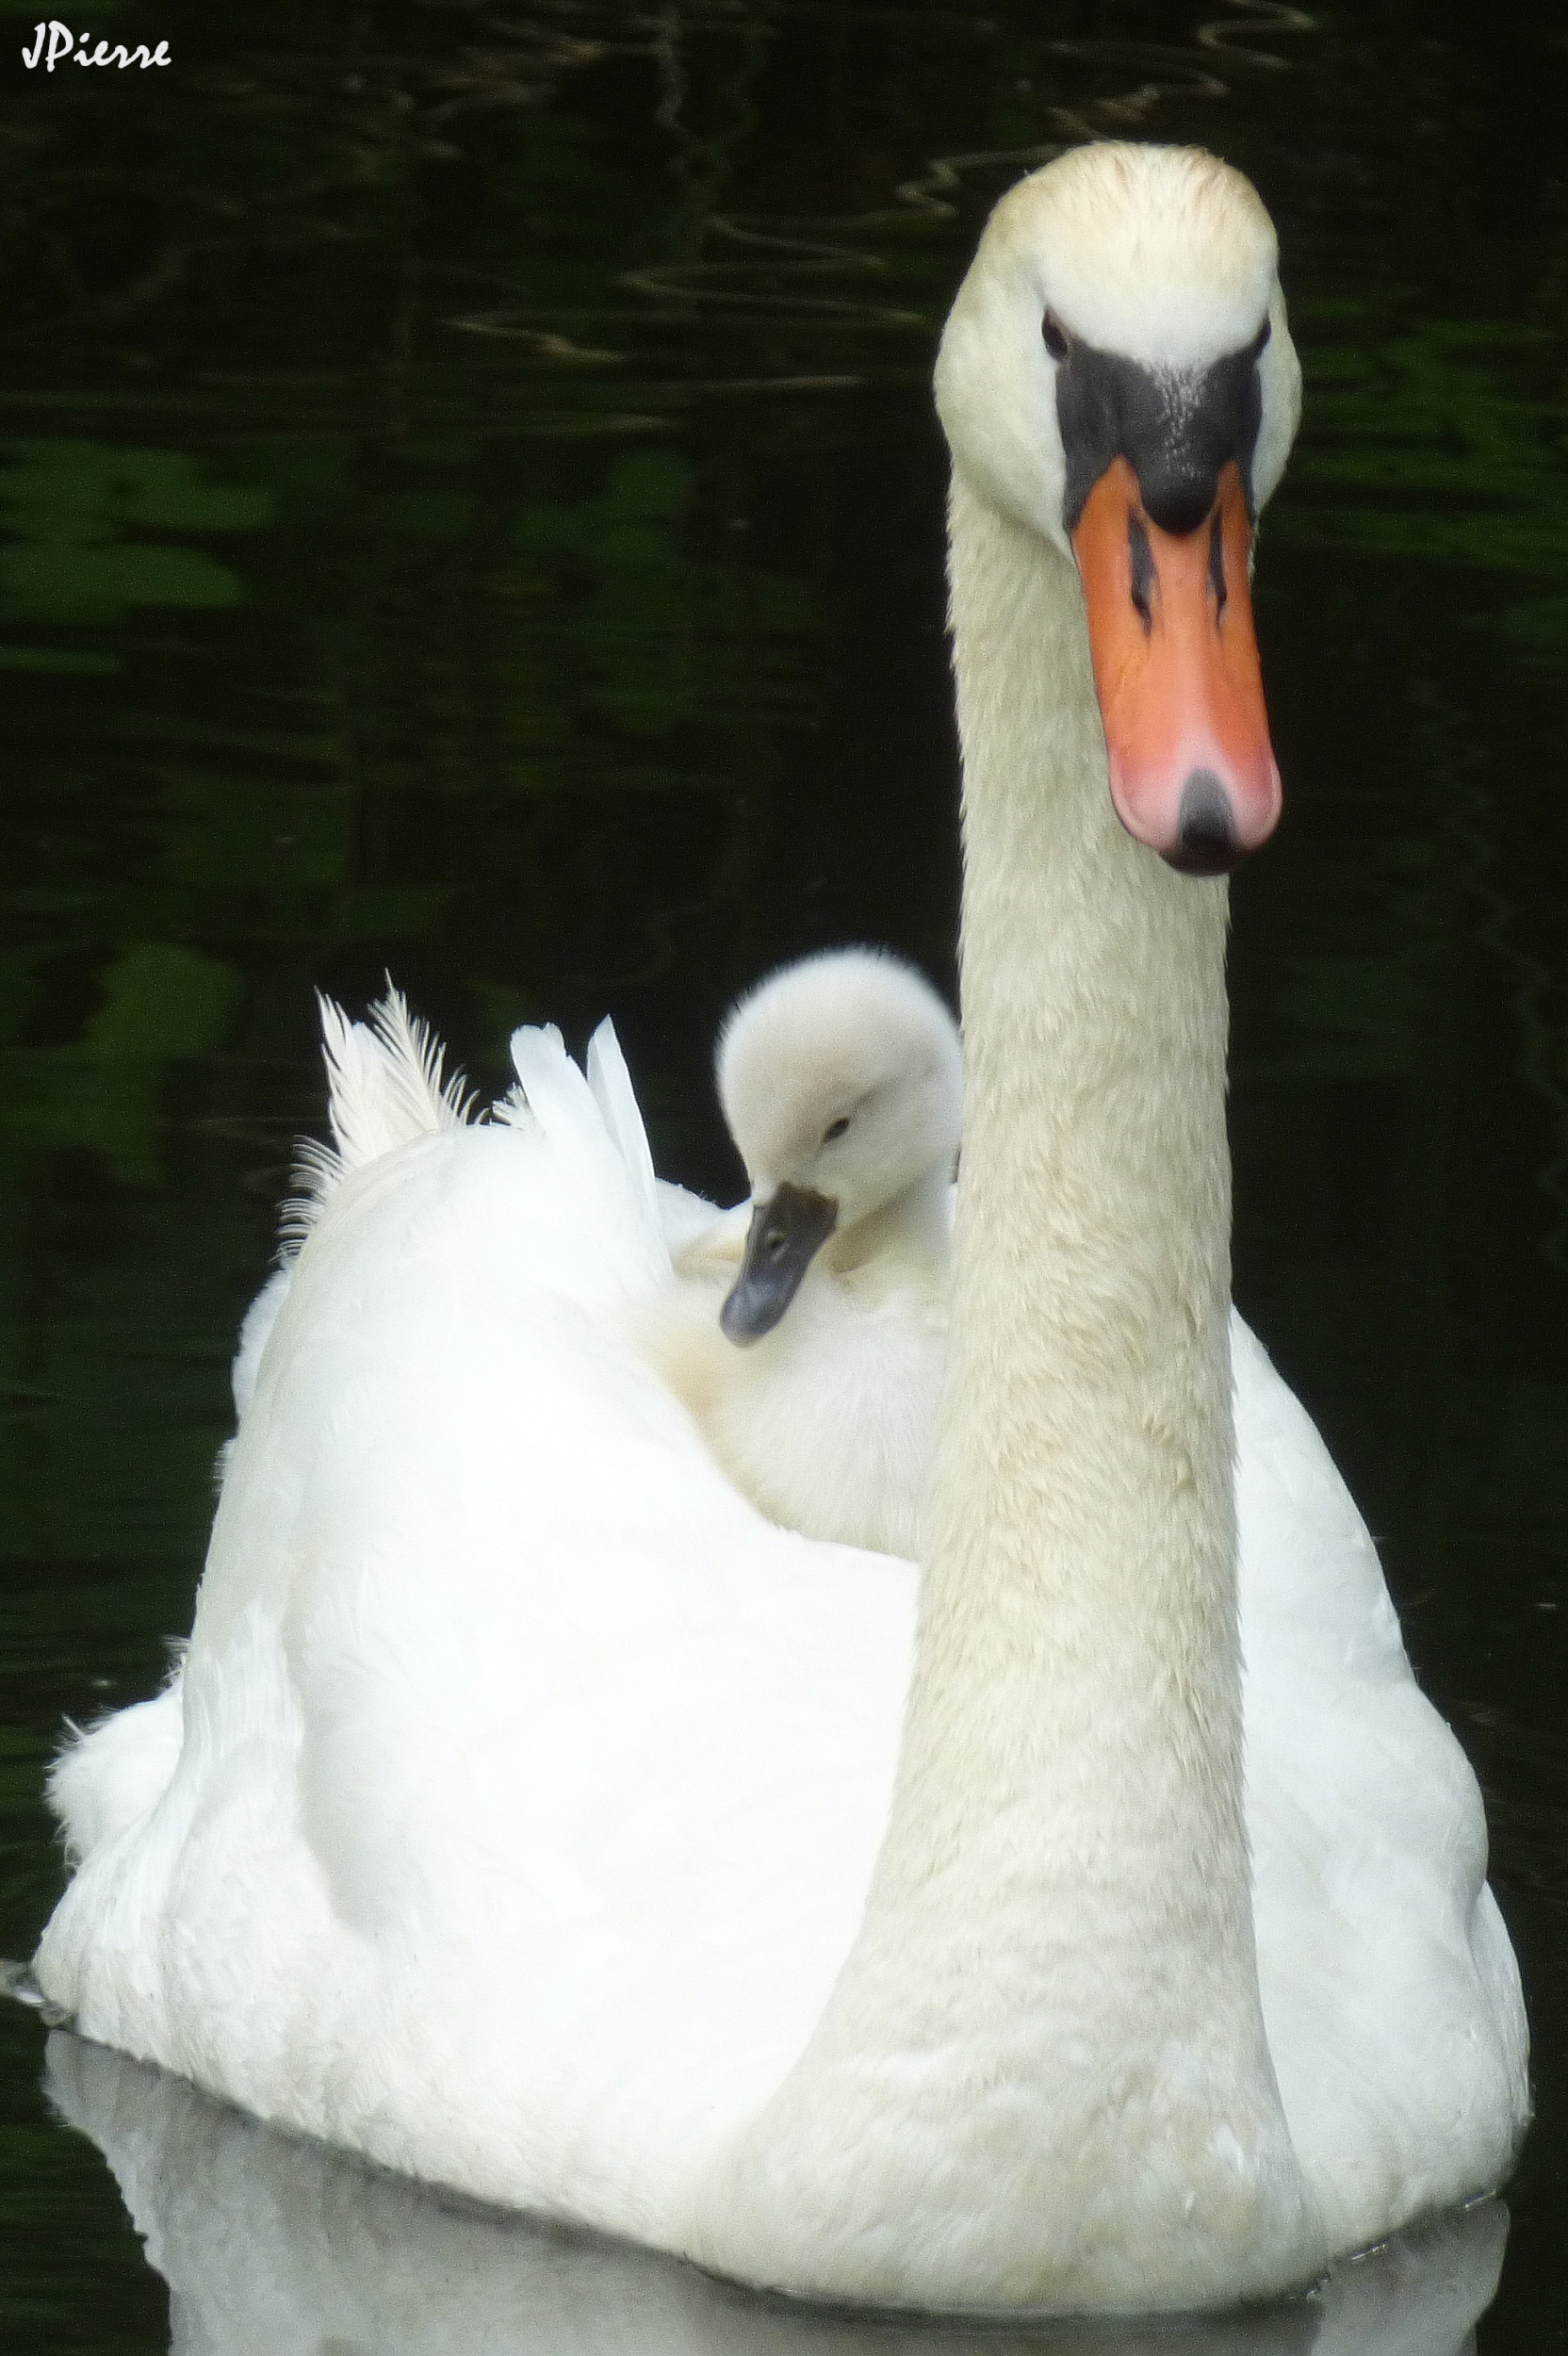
{"points": [[386, 1087], [591, 1121], [616, 1099]]}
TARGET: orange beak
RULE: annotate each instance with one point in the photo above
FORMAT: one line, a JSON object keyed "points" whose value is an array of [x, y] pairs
{"points": [[1176, 666]]}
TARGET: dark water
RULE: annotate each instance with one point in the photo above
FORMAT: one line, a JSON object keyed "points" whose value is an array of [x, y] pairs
{"points": [[474, 510]]}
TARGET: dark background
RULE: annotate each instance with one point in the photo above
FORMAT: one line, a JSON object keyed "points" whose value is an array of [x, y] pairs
{"points": [[473, 510]]}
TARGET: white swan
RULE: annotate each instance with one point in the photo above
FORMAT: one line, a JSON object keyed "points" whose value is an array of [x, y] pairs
{"points": [[810, 1349], [547, 1824]]}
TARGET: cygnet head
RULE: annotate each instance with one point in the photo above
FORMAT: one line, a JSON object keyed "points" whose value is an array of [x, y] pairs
{"points": [[841, 1079], [1117, 377]]}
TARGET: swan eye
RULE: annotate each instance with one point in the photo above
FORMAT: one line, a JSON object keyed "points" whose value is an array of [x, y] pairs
{"points": [[835, 1129], [1056, 335]]}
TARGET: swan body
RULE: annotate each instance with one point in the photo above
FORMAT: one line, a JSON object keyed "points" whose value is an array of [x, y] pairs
{"points": [[404, 1873], [545, 1822], [811, 1352]]}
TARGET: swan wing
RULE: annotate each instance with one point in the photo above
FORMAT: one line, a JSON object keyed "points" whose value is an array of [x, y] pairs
{"points": [[385, 1086], [109, 1776], [680, 1216], [530, 1782], [609, 1084], [254, 1332], [1390, 1991]]}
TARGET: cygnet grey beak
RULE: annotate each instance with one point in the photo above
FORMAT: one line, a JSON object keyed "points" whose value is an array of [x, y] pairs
{"points": [[785, 1235]]}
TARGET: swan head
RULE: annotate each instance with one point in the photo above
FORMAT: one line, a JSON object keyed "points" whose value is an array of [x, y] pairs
{"points": [[841, 1079], [1117, 376]]}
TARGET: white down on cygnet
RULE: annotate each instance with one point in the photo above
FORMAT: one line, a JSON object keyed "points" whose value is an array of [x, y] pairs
{"points": [[810, 1345]]}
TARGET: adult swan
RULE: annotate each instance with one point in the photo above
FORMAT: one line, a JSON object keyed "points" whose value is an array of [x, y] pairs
{"points": [[536, 1819]]}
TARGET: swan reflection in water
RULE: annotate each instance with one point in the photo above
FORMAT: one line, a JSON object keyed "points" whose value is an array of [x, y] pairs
{"points": [[269, 2244]]}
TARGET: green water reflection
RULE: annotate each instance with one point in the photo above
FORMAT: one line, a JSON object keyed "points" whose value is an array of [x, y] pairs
{"points": [[470, 507]]}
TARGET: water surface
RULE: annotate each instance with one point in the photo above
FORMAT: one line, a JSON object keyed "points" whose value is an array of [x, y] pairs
{"points": [[472, 509]]}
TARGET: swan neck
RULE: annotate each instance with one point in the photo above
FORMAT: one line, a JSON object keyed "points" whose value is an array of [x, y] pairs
{"points": [[1079, 1598], [1057, 1948]]}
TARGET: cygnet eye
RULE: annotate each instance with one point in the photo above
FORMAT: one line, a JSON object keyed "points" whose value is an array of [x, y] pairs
{"points": [[1056, 335], [835, 1129]]}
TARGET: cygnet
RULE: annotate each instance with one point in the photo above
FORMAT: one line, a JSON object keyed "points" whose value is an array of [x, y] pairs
{"points": [[816, 1377]]}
